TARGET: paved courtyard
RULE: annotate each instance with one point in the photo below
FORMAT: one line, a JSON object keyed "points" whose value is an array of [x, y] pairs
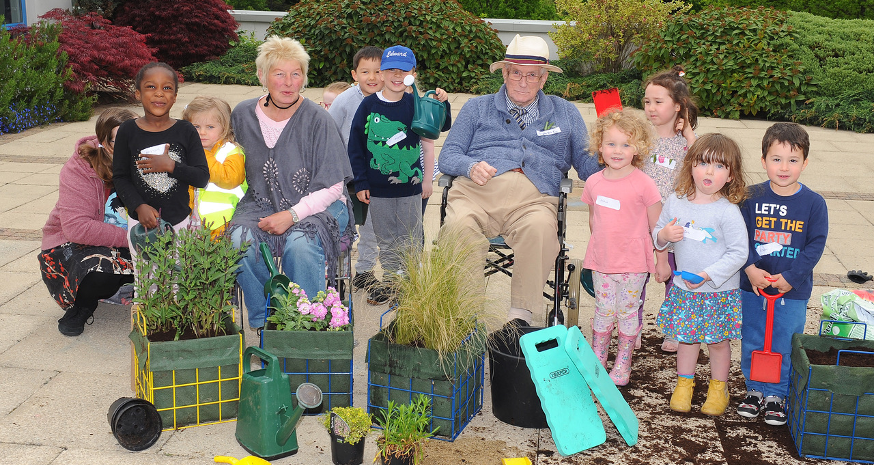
{"points": [[55, 391]]}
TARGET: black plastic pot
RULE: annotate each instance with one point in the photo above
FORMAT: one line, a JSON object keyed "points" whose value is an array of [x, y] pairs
{"points": [[343, 453], [135, 423], [514, 397], [403, 460]]}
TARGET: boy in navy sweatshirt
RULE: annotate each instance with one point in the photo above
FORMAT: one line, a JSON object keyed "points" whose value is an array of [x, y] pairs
{"points": [[384, 153], [787, 225]]}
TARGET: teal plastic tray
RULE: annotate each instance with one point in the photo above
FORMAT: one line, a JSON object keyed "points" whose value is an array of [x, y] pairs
{"points": [[602, 386], [566, 400]]}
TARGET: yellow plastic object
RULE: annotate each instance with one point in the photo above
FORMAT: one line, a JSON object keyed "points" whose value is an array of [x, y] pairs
{"points": [[519, 461], [250, 460]]}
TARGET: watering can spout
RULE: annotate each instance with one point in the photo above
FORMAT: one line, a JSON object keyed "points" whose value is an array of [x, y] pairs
{"points": [[289, 423]]}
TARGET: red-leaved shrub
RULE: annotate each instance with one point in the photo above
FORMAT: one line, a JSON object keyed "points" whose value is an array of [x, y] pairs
{"points": [[105, 56], [183, 31]]}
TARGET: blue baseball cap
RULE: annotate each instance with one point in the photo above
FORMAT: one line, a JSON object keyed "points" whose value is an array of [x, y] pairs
{"points": [[398, 57]]}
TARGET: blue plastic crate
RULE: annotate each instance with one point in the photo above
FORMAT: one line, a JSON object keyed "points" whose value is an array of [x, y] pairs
{"points": [[455, 396], [829, 416]]}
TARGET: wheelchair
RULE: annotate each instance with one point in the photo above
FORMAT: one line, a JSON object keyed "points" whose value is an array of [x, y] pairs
{"points": [[569, 274]]}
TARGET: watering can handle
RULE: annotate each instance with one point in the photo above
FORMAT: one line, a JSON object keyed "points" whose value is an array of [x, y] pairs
{"points": [[273, 369], [268, 259], [430, 93]]}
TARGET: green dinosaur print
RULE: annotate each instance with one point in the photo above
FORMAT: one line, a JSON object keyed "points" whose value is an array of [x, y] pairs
{"points": [[391, 159]]}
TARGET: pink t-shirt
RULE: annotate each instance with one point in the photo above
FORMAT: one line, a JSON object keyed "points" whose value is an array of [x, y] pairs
{"points": [[621, 241]]}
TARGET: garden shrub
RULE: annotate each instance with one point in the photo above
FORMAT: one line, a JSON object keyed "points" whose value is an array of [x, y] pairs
{"points": [[606, 32], [33, 72], [237, 66], [852, 111], [262, 5], [453, 47], [737, 61], [512, 9], [839, 9], [103, 57], [182, 31], [105, 8]]}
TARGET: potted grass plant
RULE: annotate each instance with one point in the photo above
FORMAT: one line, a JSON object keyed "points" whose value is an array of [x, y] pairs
{"points": [[312, 337], [404, 430], [436, 343], [348, 427], [187, 348]]}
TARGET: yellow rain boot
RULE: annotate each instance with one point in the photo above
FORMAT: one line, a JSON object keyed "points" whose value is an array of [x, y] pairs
{"points": [[717, 398], [681, 399]]}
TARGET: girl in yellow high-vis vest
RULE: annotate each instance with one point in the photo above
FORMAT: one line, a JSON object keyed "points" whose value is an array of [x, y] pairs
{"points": [[215, 204]]}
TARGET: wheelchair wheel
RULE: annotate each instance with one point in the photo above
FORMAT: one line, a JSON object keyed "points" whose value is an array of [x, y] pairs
{"points": [[574, 268]]}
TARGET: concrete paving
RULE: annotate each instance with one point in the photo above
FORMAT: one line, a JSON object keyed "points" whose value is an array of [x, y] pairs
{"points": [[55, 391]]}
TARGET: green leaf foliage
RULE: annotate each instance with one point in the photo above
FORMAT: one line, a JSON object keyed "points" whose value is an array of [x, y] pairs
{"points": [[605, 32], [840, 9], [33, 74], [237, 66], [512, 9], [453, 47], [738, 61]]}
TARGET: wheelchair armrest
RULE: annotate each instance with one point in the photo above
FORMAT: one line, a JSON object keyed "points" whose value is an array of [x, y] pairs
{"points": [[445, 180], [567, 185]]}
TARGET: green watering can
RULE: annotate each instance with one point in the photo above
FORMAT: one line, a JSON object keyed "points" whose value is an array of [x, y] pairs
{"points": [[267, 418], [429, 114], [141, 237], [278, 283]]}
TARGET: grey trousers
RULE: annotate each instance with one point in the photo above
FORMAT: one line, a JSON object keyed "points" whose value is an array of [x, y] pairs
{"points": [[367, 250], [397, 223]]}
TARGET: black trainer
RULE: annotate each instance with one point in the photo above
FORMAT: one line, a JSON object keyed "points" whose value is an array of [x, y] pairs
{"points": [[550, 318], [751, 406], [380, 294], [73, 322], [364, 280], [774, 414]]}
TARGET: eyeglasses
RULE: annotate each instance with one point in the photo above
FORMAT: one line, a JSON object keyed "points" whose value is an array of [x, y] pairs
{"points": [[516, 75], [326, 105]]}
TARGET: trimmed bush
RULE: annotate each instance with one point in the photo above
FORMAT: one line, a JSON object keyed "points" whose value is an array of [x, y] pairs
{"points": [[105, 8], [103, 57], [512, 9], [237, 66], [605, 32], [262, 5], [839, 9], [33, 73], [184, 31], [453, 48], [737, 61]]}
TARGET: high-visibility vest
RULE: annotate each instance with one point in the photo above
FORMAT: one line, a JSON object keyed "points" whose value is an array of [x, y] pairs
{"points": [[215, 206]]}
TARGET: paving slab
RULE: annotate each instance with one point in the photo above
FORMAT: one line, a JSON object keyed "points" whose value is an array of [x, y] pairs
{"points": [[33, 301], [30, 454], [22, 219], [16, 327]]}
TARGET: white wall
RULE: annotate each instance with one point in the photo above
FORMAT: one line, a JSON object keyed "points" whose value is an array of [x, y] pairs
{"points": [[35, 8], [258, 21]]}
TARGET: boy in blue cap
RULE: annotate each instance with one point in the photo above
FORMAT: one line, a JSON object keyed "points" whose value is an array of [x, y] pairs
{"points": [[388, 175]]}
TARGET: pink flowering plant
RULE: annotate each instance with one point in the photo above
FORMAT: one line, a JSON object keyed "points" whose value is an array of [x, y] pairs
{"points": [[297, 312]]}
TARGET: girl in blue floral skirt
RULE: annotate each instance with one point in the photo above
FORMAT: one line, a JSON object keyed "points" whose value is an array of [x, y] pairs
{"points": [[705, 225]]}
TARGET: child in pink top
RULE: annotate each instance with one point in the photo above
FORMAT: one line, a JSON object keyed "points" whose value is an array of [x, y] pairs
{"points": [[624, 205]]}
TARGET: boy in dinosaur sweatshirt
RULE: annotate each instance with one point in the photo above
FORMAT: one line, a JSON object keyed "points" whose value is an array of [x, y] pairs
{"points": [[384, 153]]}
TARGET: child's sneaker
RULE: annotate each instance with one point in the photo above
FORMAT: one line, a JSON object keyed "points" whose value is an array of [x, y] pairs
{"points": [[380, 294], [751, 406], [774, 414], [364, 280]]}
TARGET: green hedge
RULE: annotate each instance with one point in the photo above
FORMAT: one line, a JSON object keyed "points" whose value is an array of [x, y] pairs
{"points": [[512, 9], [237, 66], [839, 9]]}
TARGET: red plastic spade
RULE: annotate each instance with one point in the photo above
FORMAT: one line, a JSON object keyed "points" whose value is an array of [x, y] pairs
{"points": [[606, 100], [764, 364]]}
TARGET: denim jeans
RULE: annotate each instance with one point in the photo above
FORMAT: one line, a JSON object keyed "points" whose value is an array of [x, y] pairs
{"points": [[789, 318], [303, 261]]}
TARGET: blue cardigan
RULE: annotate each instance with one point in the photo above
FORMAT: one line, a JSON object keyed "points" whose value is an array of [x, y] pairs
{"points": [[485, 131]]}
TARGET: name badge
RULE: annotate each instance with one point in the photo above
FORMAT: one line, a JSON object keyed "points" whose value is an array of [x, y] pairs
{"points": [[665, 161], [396, 138], [607, 202], [769, 248], [154, 150], [549, 132], [697, 235]]}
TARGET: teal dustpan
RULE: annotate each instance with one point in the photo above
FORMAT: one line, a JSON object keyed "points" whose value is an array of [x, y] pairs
{"points": [[605, 391], [566, 400]]}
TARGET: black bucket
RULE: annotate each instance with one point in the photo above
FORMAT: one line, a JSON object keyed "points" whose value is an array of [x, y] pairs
{"points": [[514, 397], [135, 423], [343, 453]]}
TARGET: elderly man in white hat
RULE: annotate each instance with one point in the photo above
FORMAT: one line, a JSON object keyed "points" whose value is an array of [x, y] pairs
{"points": [[510, 151]]}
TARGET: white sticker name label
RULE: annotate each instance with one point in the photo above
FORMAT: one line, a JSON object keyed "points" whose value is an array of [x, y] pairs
{"points": [[154, 150], [694, 234], [396, 138], [666, 162], [607, 202], [549, 132], [768, 249]]}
